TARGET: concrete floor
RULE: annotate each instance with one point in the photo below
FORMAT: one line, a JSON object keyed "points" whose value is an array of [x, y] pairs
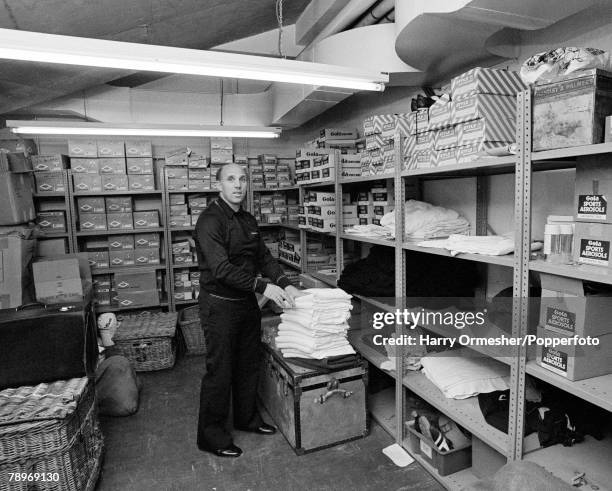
{"points": [[155, 449]]}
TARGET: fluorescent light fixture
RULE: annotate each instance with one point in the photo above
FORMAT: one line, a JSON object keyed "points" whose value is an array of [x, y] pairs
{"points": [[70, 50], [110, 129]]}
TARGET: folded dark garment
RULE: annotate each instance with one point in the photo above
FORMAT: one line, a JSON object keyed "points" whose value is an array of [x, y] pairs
{"points": [[328, 364]]}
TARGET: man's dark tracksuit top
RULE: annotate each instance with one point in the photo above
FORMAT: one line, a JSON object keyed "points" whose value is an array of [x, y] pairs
{"points": [[231, 253]]}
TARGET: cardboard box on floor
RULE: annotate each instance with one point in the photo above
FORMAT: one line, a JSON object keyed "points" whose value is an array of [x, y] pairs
{"points": [[15, 274], [62, 279], [16, 204]]}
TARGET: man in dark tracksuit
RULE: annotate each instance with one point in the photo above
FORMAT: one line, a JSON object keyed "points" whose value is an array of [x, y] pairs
{"points": [[230, 254]]}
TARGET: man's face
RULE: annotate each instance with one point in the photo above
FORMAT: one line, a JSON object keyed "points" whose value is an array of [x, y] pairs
{"points": [[233, 184]]}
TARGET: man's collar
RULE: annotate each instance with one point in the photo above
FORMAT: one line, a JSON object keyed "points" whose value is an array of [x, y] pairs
{"points": [[227, 209]]}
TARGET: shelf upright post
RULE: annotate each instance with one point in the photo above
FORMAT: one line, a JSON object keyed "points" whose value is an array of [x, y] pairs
{"points": [[167, 237], [339, 214], [522, 250], [70, 211], [400, 284], [301, 194]]}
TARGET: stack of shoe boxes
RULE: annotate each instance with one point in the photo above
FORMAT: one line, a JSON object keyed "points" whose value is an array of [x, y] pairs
{"points": [[380, 132], [315, 165], [183, 252], [137, 289], [289, 248], [186, 284], [51, 214]]}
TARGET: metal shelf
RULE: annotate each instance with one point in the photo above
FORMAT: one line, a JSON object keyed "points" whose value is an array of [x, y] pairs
{"points": [[129, 269], [507, 260], [284, 188], [382, 408], [116, 193], [54, 194], [376, 177], [182, 266], [185, 302], [175, 191], [465, 412], [325, 278], [597, 390], [485, 166], [119, 232], [373, 356], [369, 240], [580, 272], [590, 456], [571, 152], [115, 308], [52, 235], [182, 229]]}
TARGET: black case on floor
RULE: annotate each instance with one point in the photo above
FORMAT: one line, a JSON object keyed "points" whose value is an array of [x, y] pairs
{"points": [[43, 343]]}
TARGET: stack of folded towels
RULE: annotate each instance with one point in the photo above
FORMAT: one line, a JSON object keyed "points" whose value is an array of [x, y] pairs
{"points": [[316, 327]]}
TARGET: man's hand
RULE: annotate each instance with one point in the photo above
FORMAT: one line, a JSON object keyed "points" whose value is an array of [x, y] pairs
{"points": [[278, 296], [293, 293]]}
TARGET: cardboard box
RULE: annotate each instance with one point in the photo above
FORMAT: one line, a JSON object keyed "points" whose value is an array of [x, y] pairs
{"points": [[198, 162], [147, 240], [592, 244], [483, 130], [338, 134], [425, 141], [119, 204], [121, 257], [90, 204], [15, 162], [179, 210], [138, 148], [137, 298], [180, 221], [84, 166], [183, 258], [119, 242], [177, 173], [382, 198], [87, 182], [139, 165], [321, 224], [575, 362], [178, 184], [98, 259], [51, 221], [447, 138], [112, 182], [135, 281], [95, 243], [374, 125], [145, 182], [571, 111], [179, 156], [177, 199], [149, 255], [49, 163], [498, 110], [146, 219], [450, 156], [440, 115], [92, 221], [16, 204], [82, 148], [121, 221], [567, 307], [62, 280], [221, 142], [198, 174], [486, 81], [15, 280], [421, 121], [198, 185], [326, 212], [112, 166], [593, 190], [111, 148], [321, 198], [49, 182]]}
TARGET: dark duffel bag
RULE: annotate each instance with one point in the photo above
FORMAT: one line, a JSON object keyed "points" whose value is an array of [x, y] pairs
{"points": [[42, 343]]}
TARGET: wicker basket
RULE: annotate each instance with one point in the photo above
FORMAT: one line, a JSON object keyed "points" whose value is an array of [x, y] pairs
{"points": [[50, 431], [191, 328], [147, 340]]}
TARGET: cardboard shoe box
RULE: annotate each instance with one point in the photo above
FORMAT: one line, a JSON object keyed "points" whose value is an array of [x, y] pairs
{"points": [[149, 255], [84, 166], [593, 190], [98, 259], [122, 257], [138, 298], [141, 182], [62, 280], [138, 148], [15, 279], [120, 242], [87, 182], [16, 204], [146, 219], [111, 148], [93, 204], [51, 221], [113, 182], [92, 221], [147, 240], [119, 204], [486, 81], [135, 281], [592, 244], [119, 221], [178, 184], [49, 182], [177, 173], [49, 163], [112, 165], [82, 148], [571, 110], [575, 362], [139, 166]]}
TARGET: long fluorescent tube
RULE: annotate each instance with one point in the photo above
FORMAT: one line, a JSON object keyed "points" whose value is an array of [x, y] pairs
{"points": [[109, 129], [70, 50]]}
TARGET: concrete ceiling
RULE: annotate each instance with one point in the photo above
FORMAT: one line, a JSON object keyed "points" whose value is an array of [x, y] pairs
{"points": [[193, 24]]}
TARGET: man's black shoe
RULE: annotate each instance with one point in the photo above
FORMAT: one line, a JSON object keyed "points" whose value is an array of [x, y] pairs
{"points": [[231, 451], [262, 429]]}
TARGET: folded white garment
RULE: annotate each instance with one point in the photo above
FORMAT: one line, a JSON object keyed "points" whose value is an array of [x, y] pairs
{"points": [[318, 355], [289, 326], [311, 318], [493, 245], [375, 231]]}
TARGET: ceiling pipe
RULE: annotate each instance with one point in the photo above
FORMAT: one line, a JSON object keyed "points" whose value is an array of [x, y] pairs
{"points": [[347, 16], [375, 14]]}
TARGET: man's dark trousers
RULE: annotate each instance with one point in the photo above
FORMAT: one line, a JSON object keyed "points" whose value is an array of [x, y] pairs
{"points": [[232, 332]]}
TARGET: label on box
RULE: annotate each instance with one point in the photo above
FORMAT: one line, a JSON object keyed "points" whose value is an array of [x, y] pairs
{"points": [[139, 166], [87, 166], [592, 207], [112, 165], [558, 320], [595, 252], [554, 360], [426, 449]]}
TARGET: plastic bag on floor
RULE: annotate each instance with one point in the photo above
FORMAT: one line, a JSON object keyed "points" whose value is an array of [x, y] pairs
{"points": [[117, 387]]}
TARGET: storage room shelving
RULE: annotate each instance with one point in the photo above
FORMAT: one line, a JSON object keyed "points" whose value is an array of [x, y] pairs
{"points": [[590, 456]]}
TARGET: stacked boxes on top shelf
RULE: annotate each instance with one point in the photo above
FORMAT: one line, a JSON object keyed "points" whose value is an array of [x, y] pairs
{"points": [[315, 166], [269, 173], [343, 139], [380, 131], [479, 117]]}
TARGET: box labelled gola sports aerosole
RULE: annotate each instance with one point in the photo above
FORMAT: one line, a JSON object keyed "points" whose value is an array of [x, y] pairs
{"points": [[593, 189], [571, 110], [592, 244]]}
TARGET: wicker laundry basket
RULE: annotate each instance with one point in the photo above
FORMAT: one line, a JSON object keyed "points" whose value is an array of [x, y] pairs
{"points": [[147, 340], [50, 435], [191, 328]]}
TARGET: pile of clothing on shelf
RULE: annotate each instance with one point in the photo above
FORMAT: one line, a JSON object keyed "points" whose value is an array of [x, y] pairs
{"points": [[316, 327], [492, 245], [372, 231]]}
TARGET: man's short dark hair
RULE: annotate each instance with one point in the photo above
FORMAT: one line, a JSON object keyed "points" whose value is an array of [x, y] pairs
{"points": [[220, 170]]}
